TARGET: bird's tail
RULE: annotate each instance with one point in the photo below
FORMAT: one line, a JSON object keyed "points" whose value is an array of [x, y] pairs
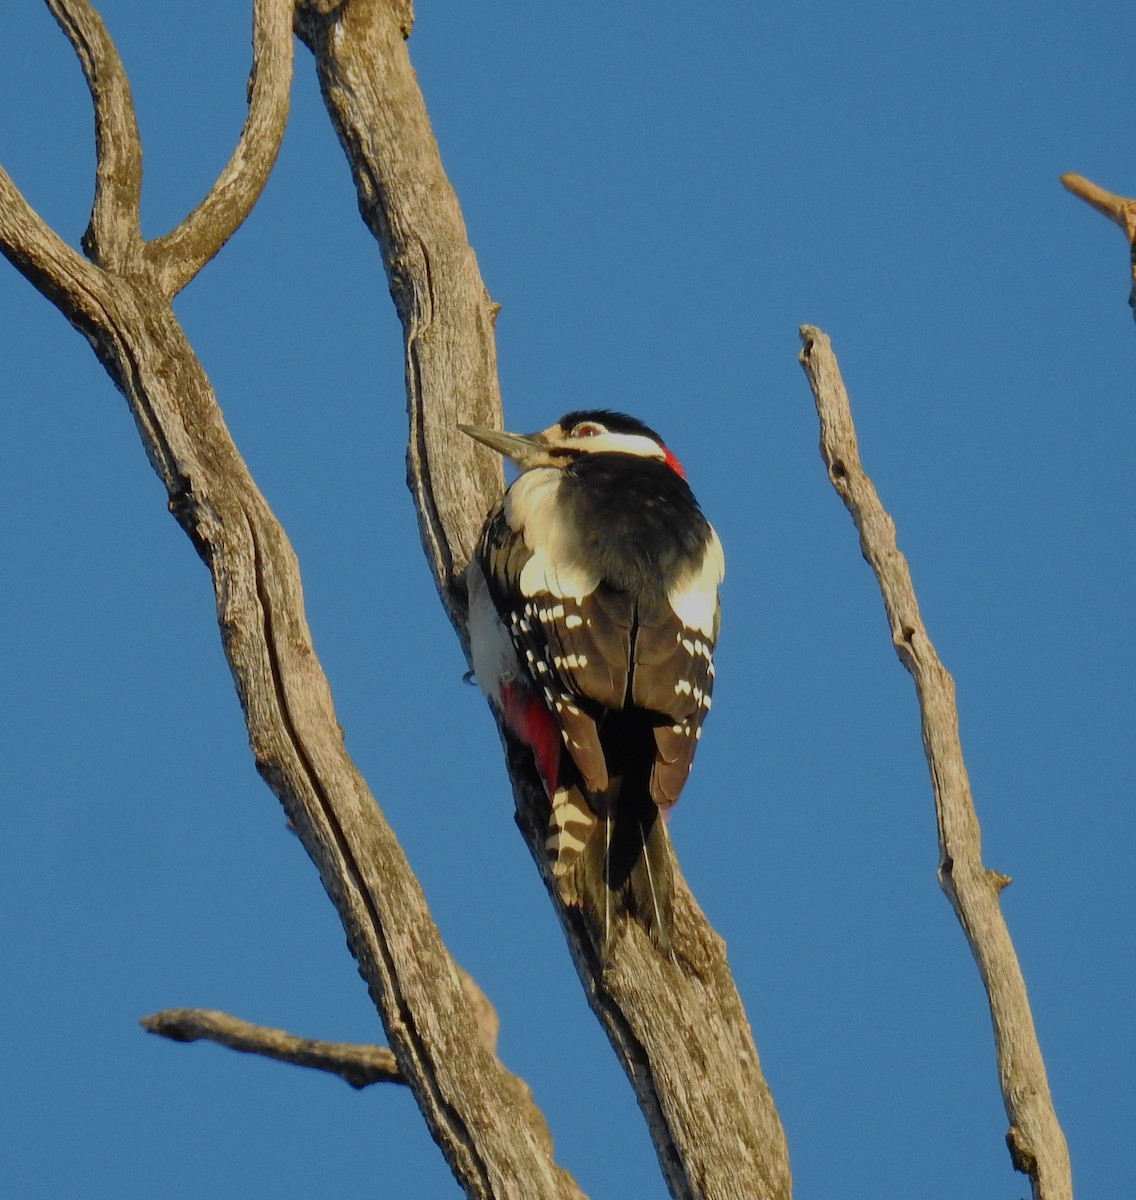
{"points": [[611, 857]]}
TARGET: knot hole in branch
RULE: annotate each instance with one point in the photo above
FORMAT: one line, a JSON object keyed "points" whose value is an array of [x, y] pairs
{"points": [[1021, 1153]]}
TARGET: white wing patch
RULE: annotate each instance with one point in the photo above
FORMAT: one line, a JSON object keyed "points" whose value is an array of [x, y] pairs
{"points": [[557, 565], [541, 574], [694, 599]]}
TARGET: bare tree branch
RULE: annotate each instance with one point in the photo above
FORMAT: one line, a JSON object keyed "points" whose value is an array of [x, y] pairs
{"points": [[80, 291], [114, 236], [492, 1144], [677, 1024], [1119, 209], [1037, 1145], [360, 1066], [180, 254], [447, 317]]}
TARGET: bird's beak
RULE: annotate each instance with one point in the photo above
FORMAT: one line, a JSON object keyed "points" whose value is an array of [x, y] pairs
{"points": [[524, 449]]}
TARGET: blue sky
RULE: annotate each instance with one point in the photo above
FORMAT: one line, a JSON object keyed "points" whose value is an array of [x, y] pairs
{"points": [[658, 196]]}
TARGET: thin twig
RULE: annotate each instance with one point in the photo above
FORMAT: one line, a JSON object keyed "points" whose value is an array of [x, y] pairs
{"points": [[1119, 209], [358, 1065], [1037, 1145]]}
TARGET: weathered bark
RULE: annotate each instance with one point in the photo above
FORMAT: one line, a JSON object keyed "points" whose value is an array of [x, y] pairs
{"points": [[676, 1024], [1037, 1145], [447, 316], [121, 302]]}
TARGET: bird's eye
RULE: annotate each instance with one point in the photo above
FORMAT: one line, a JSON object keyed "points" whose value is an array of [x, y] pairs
{"points": [[586, 429]]}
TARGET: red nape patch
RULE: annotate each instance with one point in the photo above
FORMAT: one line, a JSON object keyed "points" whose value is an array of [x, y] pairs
{"points": [[530, 720], [674, 464]]}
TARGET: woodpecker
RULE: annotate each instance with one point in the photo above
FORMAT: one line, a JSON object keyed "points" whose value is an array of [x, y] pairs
{"points": [[593, 615]]}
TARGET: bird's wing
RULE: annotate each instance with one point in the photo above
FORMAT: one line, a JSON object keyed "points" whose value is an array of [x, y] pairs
{"points": [[673, 678], [674, 669], [577, 646]]}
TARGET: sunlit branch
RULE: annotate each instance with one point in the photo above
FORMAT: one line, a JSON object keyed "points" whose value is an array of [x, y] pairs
{"points": [[1119, 209], [1037, 1145]]}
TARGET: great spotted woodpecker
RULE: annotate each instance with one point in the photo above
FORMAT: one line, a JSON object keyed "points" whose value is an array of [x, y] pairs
{"points": [[593, 614]]}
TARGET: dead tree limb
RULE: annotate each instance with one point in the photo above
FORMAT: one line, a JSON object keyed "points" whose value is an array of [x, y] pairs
{"points": [[359, 1066], [1037, 1145], [447, 317], [677, 1025], [1119, 210], [121, 303]]}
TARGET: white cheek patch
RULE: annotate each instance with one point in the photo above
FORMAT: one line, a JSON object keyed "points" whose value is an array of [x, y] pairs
{"points": [[694, 599], [620, 443]]}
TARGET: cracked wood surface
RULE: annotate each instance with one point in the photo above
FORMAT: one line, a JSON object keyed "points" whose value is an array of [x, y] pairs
{"points": [[676, 1024], [121, 304]]}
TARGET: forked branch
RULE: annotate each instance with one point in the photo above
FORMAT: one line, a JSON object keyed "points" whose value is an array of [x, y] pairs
{"points": [[113, 238], [358, 1065], [1037, 1145], [495, 1145]]}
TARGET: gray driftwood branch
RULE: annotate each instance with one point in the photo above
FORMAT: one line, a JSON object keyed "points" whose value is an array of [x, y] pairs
{"points": [[1037, 1145], [121, 302], [677, 1024], [1120, 210]]}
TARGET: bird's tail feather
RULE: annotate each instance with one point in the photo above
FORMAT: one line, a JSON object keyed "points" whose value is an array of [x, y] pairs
{"points": [[571, 828], [613, 863]]}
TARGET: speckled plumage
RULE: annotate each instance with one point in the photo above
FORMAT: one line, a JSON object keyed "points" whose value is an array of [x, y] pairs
{"points": [[603, 573]]}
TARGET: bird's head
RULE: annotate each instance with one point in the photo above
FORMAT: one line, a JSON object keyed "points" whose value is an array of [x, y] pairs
{"points": [[590, 431]]}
